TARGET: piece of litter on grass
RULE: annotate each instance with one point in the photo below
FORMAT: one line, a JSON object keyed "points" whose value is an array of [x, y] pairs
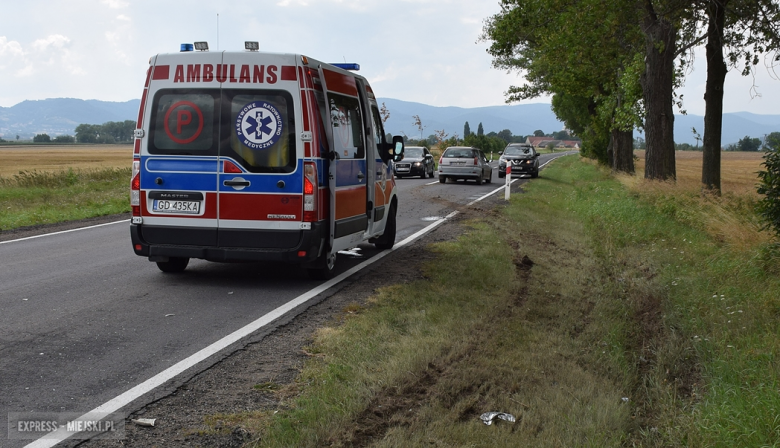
{"points": [[144, 421], [487, 417], [169, 315], [624, 399]]}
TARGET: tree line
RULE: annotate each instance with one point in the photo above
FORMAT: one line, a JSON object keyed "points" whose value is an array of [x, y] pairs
{"points": [[490, 142], [107, 133], [615, 66]]}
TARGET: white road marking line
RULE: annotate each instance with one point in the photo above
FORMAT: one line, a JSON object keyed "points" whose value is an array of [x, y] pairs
{"points": [[64, 231]]}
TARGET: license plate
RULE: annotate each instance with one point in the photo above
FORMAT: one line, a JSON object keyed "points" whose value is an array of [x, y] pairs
{"points": [[188, 207]]}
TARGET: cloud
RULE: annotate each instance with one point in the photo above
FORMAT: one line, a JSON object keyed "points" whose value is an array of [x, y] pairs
{"points": [[55, 40], [115, 4]]}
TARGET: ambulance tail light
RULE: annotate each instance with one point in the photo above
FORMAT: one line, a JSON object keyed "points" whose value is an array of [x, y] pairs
{"points": [[310, 192], [135, 188]]}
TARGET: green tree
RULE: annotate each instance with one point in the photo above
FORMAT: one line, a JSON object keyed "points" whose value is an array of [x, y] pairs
{"points": [[64, 139], [505, 135], [769, 206], [745, 29], [87, 133], [480, 130], [772, 140], [749, 144], [590, 68], [466, 130], [41, 138]]}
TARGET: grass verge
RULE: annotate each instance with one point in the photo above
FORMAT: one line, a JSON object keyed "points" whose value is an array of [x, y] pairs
{"points": [[598, 314], [33, 197]]}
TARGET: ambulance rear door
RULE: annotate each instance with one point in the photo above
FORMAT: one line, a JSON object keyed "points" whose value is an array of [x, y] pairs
{"points": [[348, 173], [180, 164], [260, 170]]}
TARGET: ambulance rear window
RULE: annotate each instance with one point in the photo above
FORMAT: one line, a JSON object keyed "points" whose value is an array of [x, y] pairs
{"points": [[184, 123], [261, 130], [256, 128]]}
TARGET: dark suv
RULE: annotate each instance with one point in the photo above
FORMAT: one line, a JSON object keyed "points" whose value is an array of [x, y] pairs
{"points": [[523, 159]]}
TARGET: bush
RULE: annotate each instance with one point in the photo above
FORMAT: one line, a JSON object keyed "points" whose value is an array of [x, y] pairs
{"points": [[769, 206], [42, 138]]}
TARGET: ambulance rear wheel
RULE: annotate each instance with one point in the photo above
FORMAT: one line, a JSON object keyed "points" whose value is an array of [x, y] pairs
{"points": [[387, 240], [326, 266], [174, 264]]}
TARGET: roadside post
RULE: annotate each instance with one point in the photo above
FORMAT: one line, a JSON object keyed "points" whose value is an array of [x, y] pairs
{"points": [[508, 180]]}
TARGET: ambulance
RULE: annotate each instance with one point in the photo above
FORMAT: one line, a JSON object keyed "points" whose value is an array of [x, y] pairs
{"points": [[254, 156]]}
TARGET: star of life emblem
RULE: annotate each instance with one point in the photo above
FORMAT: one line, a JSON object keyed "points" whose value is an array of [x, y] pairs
{"points": [[259, 125]]}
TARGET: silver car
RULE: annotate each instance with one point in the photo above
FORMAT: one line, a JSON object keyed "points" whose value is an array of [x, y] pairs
{"points": [[464, 162]]}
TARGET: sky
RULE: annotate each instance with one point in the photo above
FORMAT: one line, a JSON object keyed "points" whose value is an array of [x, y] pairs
{"points": [[425, 51]]}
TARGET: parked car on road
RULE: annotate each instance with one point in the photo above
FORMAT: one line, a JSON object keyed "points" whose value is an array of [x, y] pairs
{"points": [[417, 161], [522, 157], [465, 162]]}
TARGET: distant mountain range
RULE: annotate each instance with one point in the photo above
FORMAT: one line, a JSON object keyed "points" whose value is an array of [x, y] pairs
{"points": [[60, 116]]}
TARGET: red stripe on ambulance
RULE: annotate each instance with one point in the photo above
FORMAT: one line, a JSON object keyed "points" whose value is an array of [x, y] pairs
{"points": [[259, 206]]}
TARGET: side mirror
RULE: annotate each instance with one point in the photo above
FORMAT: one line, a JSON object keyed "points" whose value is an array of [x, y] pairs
{"points": [[500, 152], [398, 148]]}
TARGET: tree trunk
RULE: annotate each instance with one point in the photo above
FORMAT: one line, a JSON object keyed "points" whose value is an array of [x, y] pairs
{"points": [[657, 87], [623, 151], [713, 96]]}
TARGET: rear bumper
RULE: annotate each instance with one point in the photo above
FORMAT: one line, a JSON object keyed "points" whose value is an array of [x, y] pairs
{"points": [[309, 245], [461, 172]]}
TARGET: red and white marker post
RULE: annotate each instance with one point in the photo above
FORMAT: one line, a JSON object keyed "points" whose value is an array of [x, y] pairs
{"points": [[508, 181]]}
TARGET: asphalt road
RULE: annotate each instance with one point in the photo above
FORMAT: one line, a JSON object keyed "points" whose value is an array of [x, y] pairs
{"points": [[84, 319]]}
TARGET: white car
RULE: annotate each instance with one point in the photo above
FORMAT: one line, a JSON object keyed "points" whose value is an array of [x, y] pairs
{"points": [[465, 162]]}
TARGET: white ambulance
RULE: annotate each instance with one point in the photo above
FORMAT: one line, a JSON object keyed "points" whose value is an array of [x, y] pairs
{"points": [[252, 156]]}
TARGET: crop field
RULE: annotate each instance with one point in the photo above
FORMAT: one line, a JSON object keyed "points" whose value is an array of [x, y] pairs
{"points": [[52, 159], [738, 170]]}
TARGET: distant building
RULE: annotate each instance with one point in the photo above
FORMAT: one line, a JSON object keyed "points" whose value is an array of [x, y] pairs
{"points": [[543, 142]]}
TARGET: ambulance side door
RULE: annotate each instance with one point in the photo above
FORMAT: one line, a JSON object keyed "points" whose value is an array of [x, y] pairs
{"points": [[347, 174]]}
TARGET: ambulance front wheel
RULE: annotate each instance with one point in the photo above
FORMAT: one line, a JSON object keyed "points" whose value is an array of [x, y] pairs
{"points": [[387, 240], [174, 264]]}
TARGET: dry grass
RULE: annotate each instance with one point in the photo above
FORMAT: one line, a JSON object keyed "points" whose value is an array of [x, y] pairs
{"points": [[49, 159], [738, 171], [729, 218]]}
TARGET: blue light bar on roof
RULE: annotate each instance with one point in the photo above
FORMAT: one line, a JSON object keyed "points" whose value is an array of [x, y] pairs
{"points": [[187, 47], [353, 66]]}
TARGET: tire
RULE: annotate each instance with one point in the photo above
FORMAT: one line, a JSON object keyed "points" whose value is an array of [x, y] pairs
{"points": [[535, 174], [490, 178], [442, 179], [387, 240], [325, 267], [424, 174], [479, 179], [174, 264]]}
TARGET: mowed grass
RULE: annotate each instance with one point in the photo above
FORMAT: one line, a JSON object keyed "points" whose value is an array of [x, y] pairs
{"points": [[593, 309], [44, 185]]}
